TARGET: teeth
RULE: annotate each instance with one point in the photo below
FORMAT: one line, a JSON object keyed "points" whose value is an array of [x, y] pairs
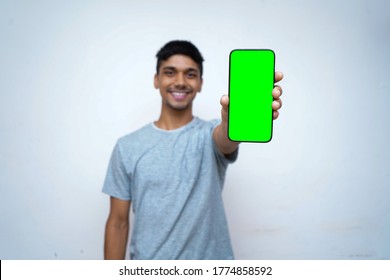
{"points": [[179, 93]]}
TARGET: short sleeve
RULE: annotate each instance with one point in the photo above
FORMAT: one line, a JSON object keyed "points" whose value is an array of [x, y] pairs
{"points": [[118, 181]]}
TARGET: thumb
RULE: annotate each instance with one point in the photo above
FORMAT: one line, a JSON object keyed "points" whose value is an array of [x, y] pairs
{"points": [[224, 101]]}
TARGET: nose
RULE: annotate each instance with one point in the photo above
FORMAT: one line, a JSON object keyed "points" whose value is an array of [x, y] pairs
{"points": [[180, 80]]}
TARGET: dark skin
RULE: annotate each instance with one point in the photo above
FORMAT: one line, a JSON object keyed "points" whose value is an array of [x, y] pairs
{"points": [[178, 81]]}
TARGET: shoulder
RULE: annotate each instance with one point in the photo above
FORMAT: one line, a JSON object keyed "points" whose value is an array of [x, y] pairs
{"points": [[209, 125], [135, 136], [128, 145]]}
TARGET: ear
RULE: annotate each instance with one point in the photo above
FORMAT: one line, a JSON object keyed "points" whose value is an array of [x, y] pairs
{"points": [[155, 82]]}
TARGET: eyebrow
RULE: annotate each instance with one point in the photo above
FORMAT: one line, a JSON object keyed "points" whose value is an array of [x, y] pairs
{"points": [[190, 69]]}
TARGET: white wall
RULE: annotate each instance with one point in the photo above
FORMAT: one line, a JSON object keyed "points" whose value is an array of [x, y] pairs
{"points": [[76, 75]]}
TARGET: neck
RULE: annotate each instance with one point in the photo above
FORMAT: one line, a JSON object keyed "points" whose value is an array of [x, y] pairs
{"points": [[174, 119]]}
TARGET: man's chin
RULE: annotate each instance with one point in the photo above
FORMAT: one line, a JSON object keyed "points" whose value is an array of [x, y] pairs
{"points": [[179, 107]]}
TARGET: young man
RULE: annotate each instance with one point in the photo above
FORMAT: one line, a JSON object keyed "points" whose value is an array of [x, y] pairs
{"points": [[172, 171]]}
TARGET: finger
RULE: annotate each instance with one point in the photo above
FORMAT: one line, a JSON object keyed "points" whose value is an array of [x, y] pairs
{"points": [[279, 88], [278, 76], [277, 92], [224, 101], [275, 115], [276, 104]]}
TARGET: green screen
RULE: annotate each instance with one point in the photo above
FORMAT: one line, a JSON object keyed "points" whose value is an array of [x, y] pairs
{"points": [[251, 81]]}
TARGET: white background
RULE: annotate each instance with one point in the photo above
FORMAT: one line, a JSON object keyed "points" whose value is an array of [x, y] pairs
{"points": [[76, 75]]}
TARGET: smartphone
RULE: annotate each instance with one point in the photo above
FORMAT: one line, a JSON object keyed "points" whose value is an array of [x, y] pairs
{"points": [[251, 81]]}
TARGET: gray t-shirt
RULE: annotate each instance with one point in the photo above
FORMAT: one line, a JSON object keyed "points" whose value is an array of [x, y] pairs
{"points": [[174, 179]]}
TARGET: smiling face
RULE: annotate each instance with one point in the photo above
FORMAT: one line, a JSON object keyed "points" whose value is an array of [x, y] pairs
{"points": [[178, 80]]}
